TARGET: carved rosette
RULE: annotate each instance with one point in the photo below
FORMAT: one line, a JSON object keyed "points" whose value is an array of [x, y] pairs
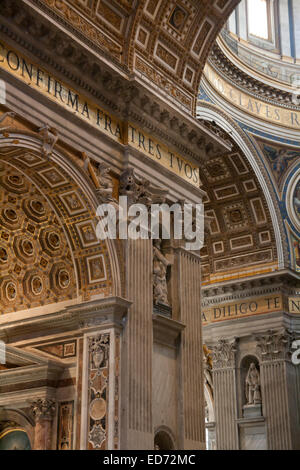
{"points": [[43, 408], [274, 346], [223, 354]]}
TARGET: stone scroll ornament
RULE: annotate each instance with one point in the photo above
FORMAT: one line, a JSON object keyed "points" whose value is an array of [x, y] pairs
{"points": [[252, 383], [98, 391]]}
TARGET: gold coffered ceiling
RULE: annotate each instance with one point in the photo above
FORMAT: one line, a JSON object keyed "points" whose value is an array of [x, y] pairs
{"points": [[49, 251], [164, 42]]}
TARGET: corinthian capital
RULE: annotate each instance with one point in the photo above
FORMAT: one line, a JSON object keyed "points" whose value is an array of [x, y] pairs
{"points": [[223, 354], [43, 408], [273, 345]]}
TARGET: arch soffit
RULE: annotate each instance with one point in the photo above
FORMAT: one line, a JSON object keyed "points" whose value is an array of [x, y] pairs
{"points": [[68, 194]]}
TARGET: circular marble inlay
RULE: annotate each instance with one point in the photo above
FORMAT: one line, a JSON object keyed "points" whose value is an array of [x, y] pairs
{"points": [[97, 409], [293, 200]]}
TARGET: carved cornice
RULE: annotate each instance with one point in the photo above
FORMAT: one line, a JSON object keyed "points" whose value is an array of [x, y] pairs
{"points": [[119, 92], [222, 64], [285, 283], [107, 312], [166, 330], [274, 345], [223, 354]]}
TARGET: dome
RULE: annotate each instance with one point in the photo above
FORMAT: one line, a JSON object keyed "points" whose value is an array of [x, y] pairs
{"points": [[264, 37]]}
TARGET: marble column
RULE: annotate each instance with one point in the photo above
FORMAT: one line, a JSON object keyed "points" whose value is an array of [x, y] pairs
{"points": [[187, 270], [43, 410], [279, 390], [225, 396]]}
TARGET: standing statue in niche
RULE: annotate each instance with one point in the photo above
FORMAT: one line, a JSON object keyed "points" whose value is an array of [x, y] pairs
{"points": [[253, 394], [160, 266]]}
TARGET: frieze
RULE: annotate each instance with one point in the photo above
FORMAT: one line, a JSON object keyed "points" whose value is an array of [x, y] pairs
{"points": [[266, 92], [241, 309], [254, 106], [62, 94], [114, 90]]}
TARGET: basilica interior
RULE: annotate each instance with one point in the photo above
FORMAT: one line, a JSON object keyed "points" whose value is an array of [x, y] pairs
{"points": [[141, 344]]}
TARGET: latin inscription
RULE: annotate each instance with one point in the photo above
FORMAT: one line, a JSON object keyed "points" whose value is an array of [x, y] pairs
{"points": [[63, 95], [242, 309], [267, 112]]}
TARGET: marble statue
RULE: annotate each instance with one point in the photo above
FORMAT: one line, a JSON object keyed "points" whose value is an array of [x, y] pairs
{"points": [[160, 266], [253, 394]]}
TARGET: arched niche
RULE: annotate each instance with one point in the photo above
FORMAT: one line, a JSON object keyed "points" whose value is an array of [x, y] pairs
{"points": [[164, 439], [16, 430], [245, 363]]}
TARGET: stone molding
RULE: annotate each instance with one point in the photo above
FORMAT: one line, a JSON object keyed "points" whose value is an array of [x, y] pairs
{"points": [[166, 330], [256, 161], [108, 312], [223, 65], [281, 282], [119, 92]]}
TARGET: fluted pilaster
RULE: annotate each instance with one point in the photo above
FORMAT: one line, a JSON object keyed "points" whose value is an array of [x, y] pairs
{"points": [[224, 379], [189, 291], [278, 394], [138, 345]]}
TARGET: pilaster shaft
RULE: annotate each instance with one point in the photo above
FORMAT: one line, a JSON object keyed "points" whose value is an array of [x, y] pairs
{"points": [[189, 291], [43, 410], [138, 345], [224, 379], [277, 392]]}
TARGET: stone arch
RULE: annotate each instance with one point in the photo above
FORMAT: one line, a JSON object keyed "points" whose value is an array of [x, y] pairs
{"points": [[13, 417], [164, 439], [210, 113], [70, 200], [167, 43]]}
